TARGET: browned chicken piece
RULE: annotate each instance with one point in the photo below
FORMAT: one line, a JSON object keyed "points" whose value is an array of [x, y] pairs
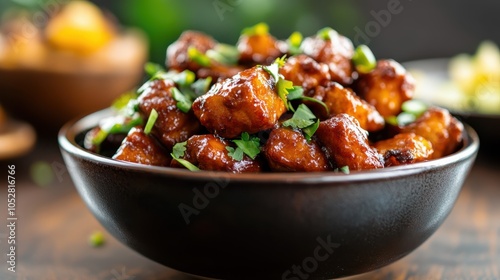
{"points": [[138, 147], [172, 125], [439, 127], [260, 49], [386, 87], [304, 71], [404, 148], [346, 144], [218, 72], [336, 52], [246, 102], [177, 53], [343, 100], [208, 152], [288, 150]]}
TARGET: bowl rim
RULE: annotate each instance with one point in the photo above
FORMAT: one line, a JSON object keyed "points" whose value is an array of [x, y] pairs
{"points": [[71, 129]]}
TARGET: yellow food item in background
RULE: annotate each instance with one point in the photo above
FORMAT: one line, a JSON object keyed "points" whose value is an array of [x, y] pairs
{"points": [[478, 77], [80, 27]]}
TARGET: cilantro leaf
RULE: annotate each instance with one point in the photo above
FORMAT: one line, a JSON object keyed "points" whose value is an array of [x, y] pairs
{"points": [[297, 92], [153, 116], [183, 102], [310, 130], [283, 87], [245, 145], [236, 154], [178, 151], [303, 119]]}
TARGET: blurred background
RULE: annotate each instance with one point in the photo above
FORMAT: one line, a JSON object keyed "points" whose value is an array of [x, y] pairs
{"points": [[97, 67], [421, 29]]}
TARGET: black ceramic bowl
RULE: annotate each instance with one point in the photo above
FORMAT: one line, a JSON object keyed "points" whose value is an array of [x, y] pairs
{"points": [[259, 226]]}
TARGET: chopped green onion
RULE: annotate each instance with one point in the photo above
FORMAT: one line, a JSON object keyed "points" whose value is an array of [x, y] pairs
{"points": [[364, 60], [415, 107], [153, 116], [200, 58], [343, 169], [326, 33], [96, 239], [115, 125], [256, 30], [187, 164], [294, 42], [178, 151], [201, 86], [183, 102], [152, 69], [224, 54], [405, 118], [122, 101]]}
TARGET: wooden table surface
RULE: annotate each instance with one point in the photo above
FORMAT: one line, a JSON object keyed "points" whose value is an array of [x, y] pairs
{"points": [[54, 226]]}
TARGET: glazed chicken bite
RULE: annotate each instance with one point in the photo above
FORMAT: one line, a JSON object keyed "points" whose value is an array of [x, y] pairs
{"points": [[386, 87], [304, 71], [246, 102], [333, 49], [404, 148], [441, 129], [260, 47], [177, 53], [346, 144], [138, 147], [172, 125], [287, 150], [342, 100], [208, 152]]}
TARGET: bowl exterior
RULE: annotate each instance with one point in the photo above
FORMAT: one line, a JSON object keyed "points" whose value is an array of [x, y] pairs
{"points": [[49, 99], [317, 226]]}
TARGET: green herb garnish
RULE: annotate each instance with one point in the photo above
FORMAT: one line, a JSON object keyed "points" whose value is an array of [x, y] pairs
{"points": [[256, 30], [294, 42], [303, 119], [123, 100], [115, 125], [178, 151], [343, 169], [364, 60], [297, 93], [282, 86], [411, 110], [200, 58], [224, 54], [201, 86], [245, 145], [326, 33], [184, 102], [96, 239], [153, 116], [152, 68]]}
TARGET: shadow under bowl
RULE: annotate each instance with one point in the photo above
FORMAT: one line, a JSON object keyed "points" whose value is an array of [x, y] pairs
{"points": [[272, 225]]}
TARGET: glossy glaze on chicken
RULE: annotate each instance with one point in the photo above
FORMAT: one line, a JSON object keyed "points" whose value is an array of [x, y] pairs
{"points": [[267, 105]]}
